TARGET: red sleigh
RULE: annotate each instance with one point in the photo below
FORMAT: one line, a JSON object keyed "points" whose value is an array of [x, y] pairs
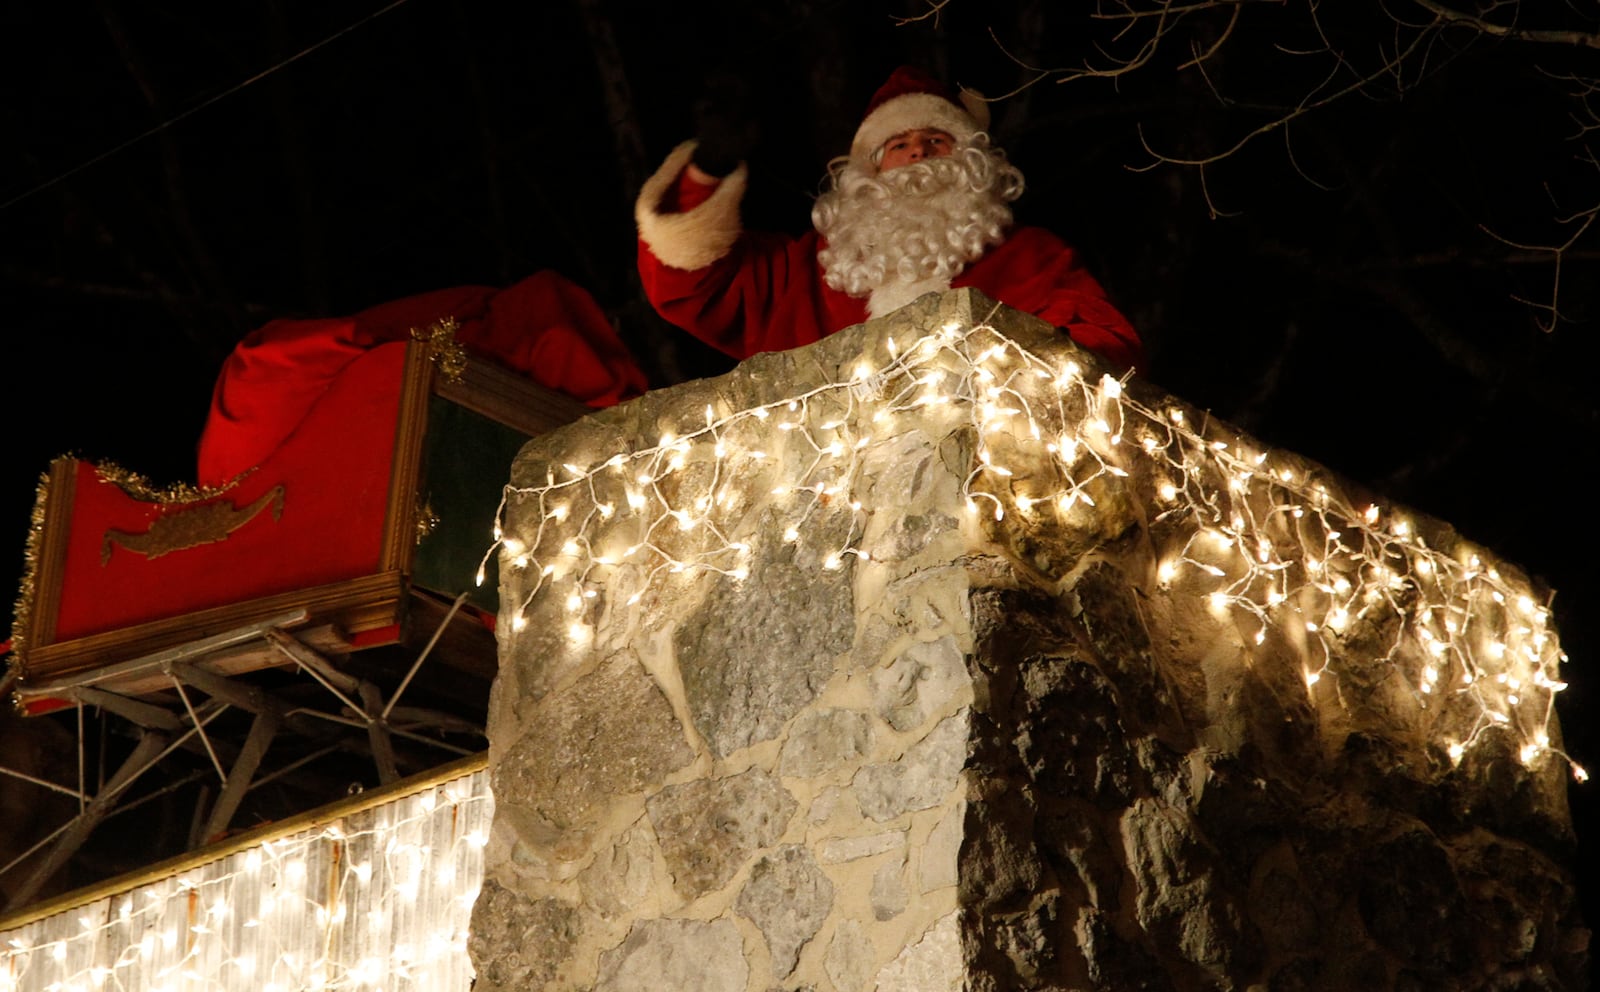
{"points": [[356, 532]]}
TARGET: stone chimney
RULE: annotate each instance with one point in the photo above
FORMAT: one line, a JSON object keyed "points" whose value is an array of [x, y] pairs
{"points": [[938, 656]]}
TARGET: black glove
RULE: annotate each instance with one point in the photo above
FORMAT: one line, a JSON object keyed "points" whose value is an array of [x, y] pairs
{"points": [[724, 125]]}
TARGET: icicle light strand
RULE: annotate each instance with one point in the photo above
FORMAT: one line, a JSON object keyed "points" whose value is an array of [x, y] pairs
{"points": [[1261, 539], [379, 899]]}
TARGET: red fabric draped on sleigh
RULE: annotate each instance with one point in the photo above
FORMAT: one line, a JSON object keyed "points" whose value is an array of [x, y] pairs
{"points": [[545, 327]]}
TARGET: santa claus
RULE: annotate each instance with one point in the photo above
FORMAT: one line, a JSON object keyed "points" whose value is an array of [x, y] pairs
{"points": [[921, 204]]}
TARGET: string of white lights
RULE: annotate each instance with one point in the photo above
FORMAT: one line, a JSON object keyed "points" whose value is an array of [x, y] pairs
{"points": [[377, 899], [1268, 543]]}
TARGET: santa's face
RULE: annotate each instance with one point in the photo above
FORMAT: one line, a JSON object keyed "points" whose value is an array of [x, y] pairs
{"points": [[914, 146]]}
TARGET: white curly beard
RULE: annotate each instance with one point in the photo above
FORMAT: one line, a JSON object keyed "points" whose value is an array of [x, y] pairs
{"points": [[893, 236]]}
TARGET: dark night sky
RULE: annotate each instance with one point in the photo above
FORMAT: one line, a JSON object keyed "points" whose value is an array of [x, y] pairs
{"points": [[1349, 307]]}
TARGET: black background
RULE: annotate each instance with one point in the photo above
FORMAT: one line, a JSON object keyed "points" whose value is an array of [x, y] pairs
{"points": [[176, 174]]}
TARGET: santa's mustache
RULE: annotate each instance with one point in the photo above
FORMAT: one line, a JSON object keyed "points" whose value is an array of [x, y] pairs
{"points": [[929, 177], [968, 170]]}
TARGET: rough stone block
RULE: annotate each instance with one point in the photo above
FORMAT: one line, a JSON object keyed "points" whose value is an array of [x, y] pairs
{"points": [[923, 777], [823, 740], [676, 956], [579, 751], [709, 828], [787, 898], [759, 650]]}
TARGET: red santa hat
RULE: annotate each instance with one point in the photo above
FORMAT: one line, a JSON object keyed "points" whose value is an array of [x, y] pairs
{"points": [[912, 99]]}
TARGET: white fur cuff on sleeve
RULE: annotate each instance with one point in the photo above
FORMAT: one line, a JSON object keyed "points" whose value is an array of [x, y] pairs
{"points": [[694, 238]]}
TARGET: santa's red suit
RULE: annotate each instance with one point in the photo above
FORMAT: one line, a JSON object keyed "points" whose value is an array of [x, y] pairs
{"points": [[745, 292]]}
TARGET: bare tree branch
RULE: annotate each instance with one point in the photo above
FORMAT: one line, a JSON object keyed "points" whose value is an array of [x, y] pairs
{"points": [[1584, 39], [935, 8]]}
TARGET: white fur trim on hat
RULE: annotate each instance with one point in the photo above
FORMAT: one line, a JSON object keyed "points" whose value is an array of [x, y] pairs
{"points": [[691, 239], [919, 110]]}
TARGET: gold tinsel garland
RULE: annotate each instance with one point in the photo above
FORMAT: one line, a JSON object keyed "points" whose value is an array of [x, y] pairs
{"points": [[448, 354], [30, 567], [141, 488]]}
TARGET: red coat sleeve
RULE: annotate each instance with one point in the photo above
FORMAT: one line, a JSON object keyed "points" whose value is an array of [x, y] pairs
{"points": [[766, 294], [738, 291]]}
